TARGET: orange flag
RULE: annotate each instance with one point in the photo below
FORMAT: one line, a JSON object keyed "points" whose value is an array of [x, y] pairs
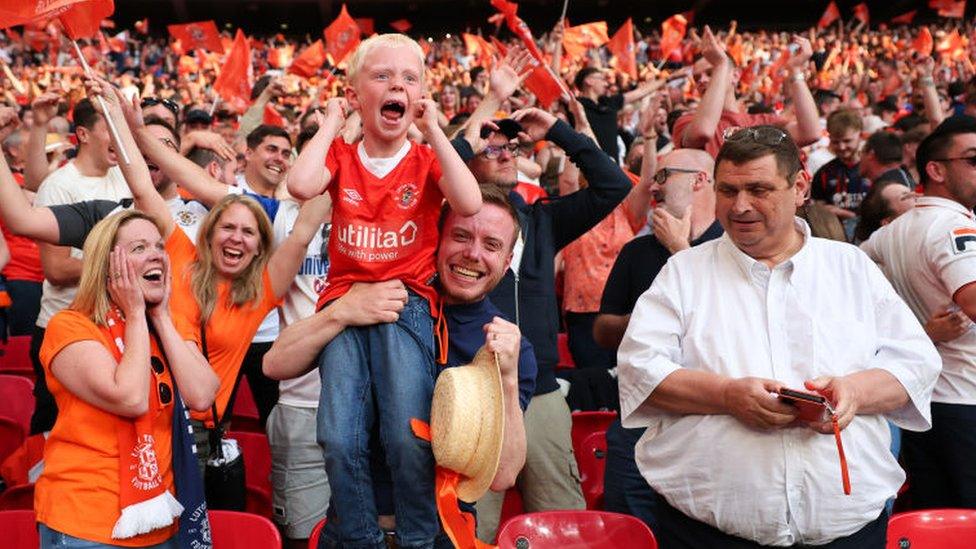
{"points": [[861, 13], [831, 14], [272, 117], [518, 26], [366, 25], [341, 36], [905, 18], [949, 8], [924, 42], [479, 48], [577, 40], [309, 62], [622, 47], [142, 27], [544, 85], [672, 33], [236, 78], [401, 25], [83, 20], [199, 35], [280, 58], [19, 12], [953, 45], [541, 81]]}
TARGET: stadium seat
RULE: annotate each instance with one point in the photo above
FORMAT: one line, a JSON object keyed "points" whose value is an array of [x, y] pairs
{"points": [[19, 497], [15, 357], [258, 501], [592, 460], [313, 539], [565, 357], [19, 530], [17, 399], [511, 506], [234, 530], [933, 529], [587, 423], [575, 530], [11, 437], [257, 457], [244, 416]]}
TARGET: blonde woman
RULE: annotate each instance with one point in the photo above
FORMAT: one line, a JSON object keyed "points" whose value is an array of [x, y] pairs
{"points": [[113, 360]]}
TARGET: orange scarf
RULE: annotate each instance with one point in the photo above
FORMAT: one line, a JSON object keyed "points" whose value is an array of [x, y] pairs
{"points": [[144, 501]]}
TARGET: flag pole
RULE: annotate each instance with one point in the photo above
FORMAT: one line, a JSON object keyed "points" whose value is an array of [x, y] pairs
{"points": [[101, 103], [213, 107], [565, 7]]}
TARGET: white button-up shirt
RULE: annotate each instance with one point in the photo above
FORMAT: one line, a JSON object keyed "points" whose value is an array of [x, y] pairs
{"points": [[928, 254], [827, 311]]}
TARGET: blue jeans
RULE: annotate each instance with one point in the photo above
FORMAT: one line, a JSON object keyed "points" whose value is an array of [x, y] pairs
{"points": [[51, 539], [386, 370], [624, 488]]}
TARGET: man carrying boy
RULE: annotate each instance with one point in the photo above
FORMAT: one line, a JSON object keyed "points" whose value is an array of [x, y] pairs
{"points": [[386, 202]]}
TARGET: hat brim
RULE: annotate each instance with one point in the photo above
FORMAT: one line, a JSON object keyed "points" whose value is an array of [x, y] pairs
{"points": [[476, 481]]}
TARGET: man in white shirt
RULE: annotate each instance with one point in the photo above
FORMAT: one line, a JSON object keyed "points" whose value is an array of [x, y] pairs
{"points": [[929, 255], [728, 324]]}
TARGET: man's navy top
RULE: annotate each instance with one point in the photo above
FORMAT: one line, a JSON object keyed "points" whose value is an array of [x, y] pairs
{"points": [[839, 184], [465, 323]]}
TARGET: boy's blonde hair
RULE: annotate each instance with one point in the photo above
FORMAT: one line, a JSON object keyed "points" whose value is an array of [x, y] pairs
{"points": [[389, 40]]}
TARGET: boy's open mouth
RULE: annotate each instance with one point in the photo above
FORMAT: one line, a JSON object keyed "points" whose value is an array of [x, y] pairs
{"points": [[393, 110]]}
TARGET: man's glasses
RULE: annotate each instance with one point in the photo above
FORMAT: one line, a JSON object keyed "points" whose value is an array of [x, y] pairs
{"points": [[767, 135], [493, 152], [165, 392], [170, 105], [971, 160], [662, 175]]}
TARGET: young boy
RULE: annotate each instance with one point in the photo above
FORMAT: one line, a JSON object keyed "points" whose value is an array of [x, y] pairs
{"points": [[386, 195]]}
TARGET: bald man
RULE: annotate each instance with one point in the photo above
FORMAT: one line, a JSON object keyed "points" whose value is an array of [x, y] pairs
{"points": [[684, 217]]}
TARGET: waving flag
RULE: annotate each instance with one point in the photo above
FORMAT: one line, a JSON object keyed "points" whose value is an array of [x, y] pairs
{"points": [[949, 8], [309, 62], [861, 13], [20, 12], [577, 40], [905, 18], [924, 43], [142, 26], [541, 81], [831, 14], [199, 35], [236, 78], [622, 47], [341, 36], [673, 31], [476, 46], [83, 20]]}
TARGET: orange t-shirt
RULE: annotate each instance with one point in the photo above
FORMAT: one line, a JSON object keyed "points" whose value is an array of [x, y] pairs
{"points": [[25, 257], [78, 492], [230, 328], [383, 228]]}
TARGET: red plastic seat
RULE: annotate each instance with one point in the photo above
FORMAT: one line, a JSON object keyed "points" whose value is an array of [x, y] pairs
{"points": [[11, 436], [17, 399], [313, 539], [575, 530], [234, 530], [512, 506], [258, 501], [244, 416], [587, 423], [15, 357], [933, 529], [17, 498], [592, 461], [565, 357], [19, 530], [257, 458]]}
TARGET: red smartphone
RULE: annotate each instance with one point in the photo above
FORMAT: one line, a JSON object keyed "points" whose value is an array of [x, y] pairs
{"points": [[812, 407]]}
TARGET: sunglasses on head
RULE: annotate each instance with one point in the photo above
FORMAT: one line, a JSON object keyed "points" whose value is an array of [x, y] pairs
{"points": [[662, 175], [170, 105], [767, 135]]}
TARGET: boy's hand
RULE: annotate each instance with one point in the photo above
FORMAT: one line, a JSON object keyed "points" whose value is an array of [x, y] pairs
{"points": [[334, 116], [535, 122], [425, 116]]}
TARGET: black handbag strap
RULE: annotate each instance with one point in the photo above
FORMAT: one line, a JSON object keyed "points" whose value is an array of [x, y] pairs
{"points": [[218, 421]]}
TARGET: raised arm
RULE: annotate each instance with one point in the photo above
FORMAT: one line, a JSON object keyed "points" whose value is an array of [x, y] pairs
{"points": [[36, 166], [288, 257], [136, 172], [457, 184], [930, 96], [806, 129], [643, 90], [705, 120], [294, 352], [308, 176], [638, 202], [17, 213]]}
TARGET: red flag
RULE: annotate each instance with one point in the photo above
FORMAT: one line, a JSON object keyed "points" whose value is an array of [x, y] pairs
{"points": [[518, 27], [341, 36], [198, 35], [82, 20], [502, 49], [544, 85], [236, 76], [309, 62], [20, 12], [272, 117], [541, 81], [861, 13], [924, 43], [577, 40], [142, 27], [672, 33], [905, 18], [622, 47], [366, 25], [831, 14], [949, 8], [280, 58], [953, 45], [119, 42], [401, 25]]}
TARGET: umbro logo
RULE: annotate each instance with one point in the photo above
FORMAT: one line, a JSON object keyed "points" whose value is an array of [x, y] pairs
{"points": [[351, 196]]}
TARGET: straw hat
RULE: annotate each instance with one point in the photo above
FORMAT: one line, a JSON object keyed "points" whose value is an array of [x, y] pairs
{"points": [[467, 423]]}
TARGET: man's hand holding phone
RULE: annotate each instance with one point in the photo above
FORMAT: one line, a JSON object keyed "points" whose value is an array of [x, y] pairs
{"points": [[749, 400]]}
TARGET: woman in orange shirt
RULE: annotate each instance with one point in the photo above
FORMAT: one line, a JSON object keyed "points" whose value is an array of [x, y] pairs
{"points": [[232, 277], [112, 358]]}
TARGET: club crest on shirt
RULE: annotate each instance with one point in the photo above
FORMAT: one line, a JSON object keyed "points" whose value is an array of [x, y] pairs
{"points": [[962, 240], [186, 218], [406, 196]]}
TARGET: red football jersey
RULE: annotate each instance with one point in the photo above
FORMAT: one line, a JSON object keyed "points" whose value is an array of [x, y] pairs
{"points": [[383, 228]]}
